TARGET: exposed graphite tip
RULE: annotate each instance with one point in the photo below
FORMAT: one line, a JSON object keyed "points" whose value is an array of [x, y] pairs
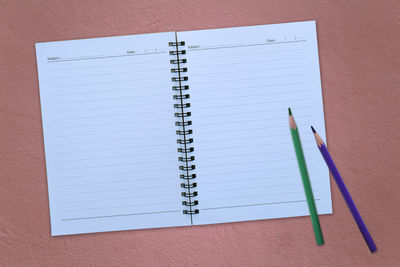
{"points": [[312, 128], [290, 112]]}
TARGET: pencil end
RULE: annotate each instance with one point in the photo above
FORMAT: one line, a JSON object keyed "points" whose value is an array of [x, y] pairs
{"points": [[313, 130], [290, 112]]}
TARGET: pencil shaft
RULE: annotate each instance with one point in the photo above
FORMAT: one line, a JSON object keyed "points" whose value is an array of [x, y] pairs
{"points": [[307, 186], [349, 201]]}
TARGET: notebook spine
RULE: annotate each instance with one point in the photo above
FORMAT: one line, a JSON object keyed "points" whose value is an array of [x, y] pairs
{"points": [[183, 114]]}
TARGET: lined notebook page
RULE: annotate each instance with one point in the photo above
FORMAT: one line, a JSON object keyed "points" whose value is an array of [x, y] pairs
{"points": [[109, 134], [242, 81]]}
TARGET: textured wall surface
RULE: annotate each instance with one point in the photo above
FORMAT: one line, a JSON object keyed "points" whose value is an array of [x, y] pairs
{"points": [[360, 70]]}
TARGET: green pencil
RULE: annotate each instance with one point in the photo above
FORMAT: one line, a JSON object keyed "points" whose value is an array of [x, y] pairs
{"points": [[306, 180]]}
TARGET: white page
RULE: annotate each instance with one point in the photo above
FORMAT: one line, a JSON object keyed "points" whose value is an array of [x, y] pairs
{"points": [[242, 81], [109, 134]]}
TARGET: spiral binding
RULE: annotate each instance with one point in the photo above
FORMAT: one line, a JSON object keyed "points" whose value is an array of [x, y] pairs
{"points": [[182, 106]]}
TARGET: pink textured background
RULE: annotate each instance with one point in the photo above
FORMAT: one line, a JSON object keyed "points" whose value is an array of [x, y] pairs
{"points": [[360, 69]]}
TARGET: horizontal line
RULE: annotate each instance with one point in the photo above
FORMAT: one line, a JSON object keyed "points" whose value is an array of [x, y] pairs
{"points": [[252, 129], [252, 171], [97, 83], [252, 162], [108, 107], [237, 46], [251, 104], [262, 94], [123, 206], [112, 165], [275, 94], [253, 196], [97, 133], [256, 103], [106, 91], [244, 63], [112, 173], [113, 115], [111, 65], [117, 157], [251, 79], [111, 191], [102, 57], [119, 139], [108, 124], [252, 87], [244, 121], [119, 182], [248, 180], [299, 184], [214, 115], [259, 204], [119, 215], [241, 138], [112, 148], [119, 198], [214, 149], [246, 54], [107, 73], [243, 71], [250, 154]]}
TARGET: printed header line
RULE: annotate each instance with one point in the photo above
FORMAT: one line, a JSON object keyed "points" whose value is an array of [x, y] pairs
{"points": [[76, 59], [236, 46]]}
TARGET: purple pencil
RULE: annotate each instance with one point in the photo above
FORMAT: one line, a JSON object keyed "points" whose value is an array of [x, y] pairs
{"points": [[346, 195]]}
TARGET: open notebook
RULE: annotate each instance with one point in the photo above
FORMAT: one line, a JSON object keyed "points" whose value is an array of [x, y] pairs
{"points": [[186, 128]]}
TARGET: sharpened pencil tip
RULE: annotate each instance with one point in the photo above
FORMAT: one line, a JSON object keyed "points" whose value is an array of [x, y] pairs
{"points": [[312, 128], [290, 112]]}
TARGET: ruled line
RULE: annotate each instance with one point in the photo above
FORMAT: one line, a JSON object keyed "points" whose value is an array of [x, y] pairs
{"points": [[258, 204], [108, 73], [260, 119], [248, 180], [278, 93], [133, 89], [251, 79], [118, 207], [98, 83], [246, 70], [103, 57], [246, 45], [299, 184], [213, 173], [132, 164], [194, 66], [117, 198], [258, 53], [111, 107], [112, 148], [111, 191], [118, 182], [119, 215], [242, 88], [173, 135], [253, 162], [102, 174], [141, 63], [252, 129], [231, 146], [255, 196], [107, 124], [110, 115]]}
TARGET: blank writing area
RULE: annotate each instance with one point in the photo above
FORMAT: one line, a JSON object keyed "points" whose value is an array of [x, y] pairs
{"points": [[109, 131], [242, 82]]}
